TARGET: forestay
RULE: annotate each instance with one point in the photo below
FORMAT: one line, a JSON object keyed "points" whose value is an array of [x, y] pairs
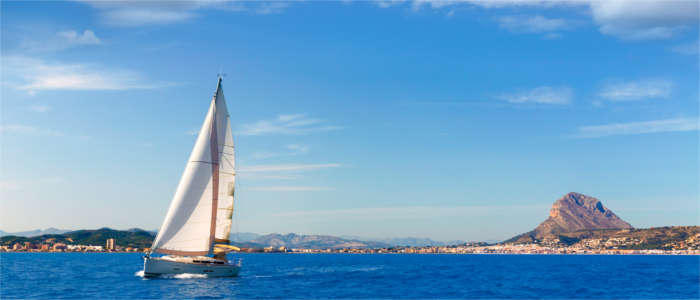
{"points": [[201, 210]]}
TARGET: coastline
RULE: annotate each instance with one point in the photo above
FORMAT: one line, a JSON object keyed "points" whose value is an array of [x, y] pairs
{"points": [[669, 253]]}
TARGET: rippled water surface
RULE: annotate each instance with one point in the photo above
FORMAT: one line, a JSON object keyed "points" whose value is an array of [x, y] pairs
{"points": [[115, 275]]}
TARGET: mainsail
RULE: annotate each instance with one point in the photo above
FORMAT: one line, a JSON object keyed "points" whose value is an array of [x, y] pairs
{"points": [[202, 207]]}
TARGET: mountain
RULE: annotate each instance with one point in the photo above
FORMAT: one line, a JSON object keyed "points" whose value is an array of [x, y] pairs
{"points": [[574, 212], [135, 238], [292, 240], [406, 241], [36, 232], [242, 237], [136, 229]]}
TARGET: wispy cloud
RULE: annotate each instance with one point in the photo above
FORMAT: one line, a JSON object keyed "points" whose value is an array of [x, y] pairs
{"points": [[624, 19], [388, 3], [289, 188], [541, 95], [33, 75], [293, 149], [146, 13], [75, 38], [140, 13], [406, 212], [532, 24], [40, 108], [28, 130], [38, 41], [294, 124], [688, 49], [637, 90], [287, 167], [271, 176], [268, 8], [655, 126]]}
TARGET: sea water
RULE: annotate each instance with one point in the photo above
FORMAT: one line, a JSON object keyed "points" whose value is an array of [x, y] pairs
{"points": [[118, 275]]}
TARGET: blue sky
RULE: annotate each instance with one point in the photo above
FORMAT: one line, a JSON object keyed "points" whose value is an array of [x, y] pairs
{"points": [[442, 119]]}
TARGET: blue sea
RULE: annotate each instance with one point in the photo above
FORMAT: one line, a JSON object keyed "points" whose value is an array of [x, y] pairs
{"points": [[116, 275]]}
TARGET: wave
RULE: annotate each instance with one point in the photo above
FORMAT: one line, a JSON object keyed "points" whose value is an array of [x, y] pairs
{"points": [[176, 276], [189, 276]]}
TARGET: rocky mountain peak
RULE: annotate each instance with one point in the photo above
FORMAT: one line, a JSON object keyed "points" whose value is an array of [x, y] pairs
{"points": [[574, 212]]}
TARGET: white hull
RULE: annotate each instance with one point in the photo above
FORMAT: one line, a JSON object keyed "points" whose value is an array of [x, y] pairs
{"points": [[154, 266]]}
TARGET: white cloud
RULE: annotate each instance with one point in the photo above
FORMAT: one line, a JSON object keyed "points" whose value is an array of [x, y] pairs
{"points": [[689, 48], [388, 3], [497, 3], [33, 75], [40, 108], [140, 13], [532, 24], [266, 176], [287, 167], [281, 171], [298, 149], [86, 38], [144, 16], [655, 126], [289, 188], [295, 124], [293, 149], [144, 13], [19, 129], [637, 90], [625, 19], [542, 95], [35, 40], [267, 8], [644, 19]]}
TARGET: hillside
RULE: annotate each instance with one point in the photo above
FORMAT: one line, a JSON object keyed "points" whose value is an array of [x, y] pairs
{"points": [[142, 239], [131, 238], [292, 240], [648, 238]]}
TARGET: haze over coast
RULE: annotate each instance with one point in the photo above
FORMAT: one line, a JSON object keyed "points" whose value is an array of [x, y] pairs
{"points": [[575, 221]]}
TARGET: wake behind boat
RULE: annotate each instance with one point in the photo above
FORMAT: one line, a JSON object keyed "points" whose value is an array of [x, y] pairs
{"points": [[194, 236]]}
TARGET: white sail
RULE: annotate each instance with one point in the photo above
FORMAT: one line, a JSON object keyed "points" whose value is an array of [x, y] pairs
{"points": [[224, 214], [193, 220]]}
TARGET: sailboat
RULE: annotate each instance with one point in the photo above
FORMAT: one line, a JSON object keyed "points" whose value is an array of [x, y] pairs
{"points": [[194, 237]]}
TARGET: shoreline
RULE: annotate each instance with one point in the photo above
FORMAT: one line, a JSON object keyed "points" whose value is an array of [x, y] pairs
{"points": [[359, 253]]}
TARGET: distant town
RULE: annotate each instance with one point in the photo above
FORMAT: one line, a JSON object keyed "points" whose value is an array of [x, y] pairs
{"points": [[577, 224], [624, 245]]}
